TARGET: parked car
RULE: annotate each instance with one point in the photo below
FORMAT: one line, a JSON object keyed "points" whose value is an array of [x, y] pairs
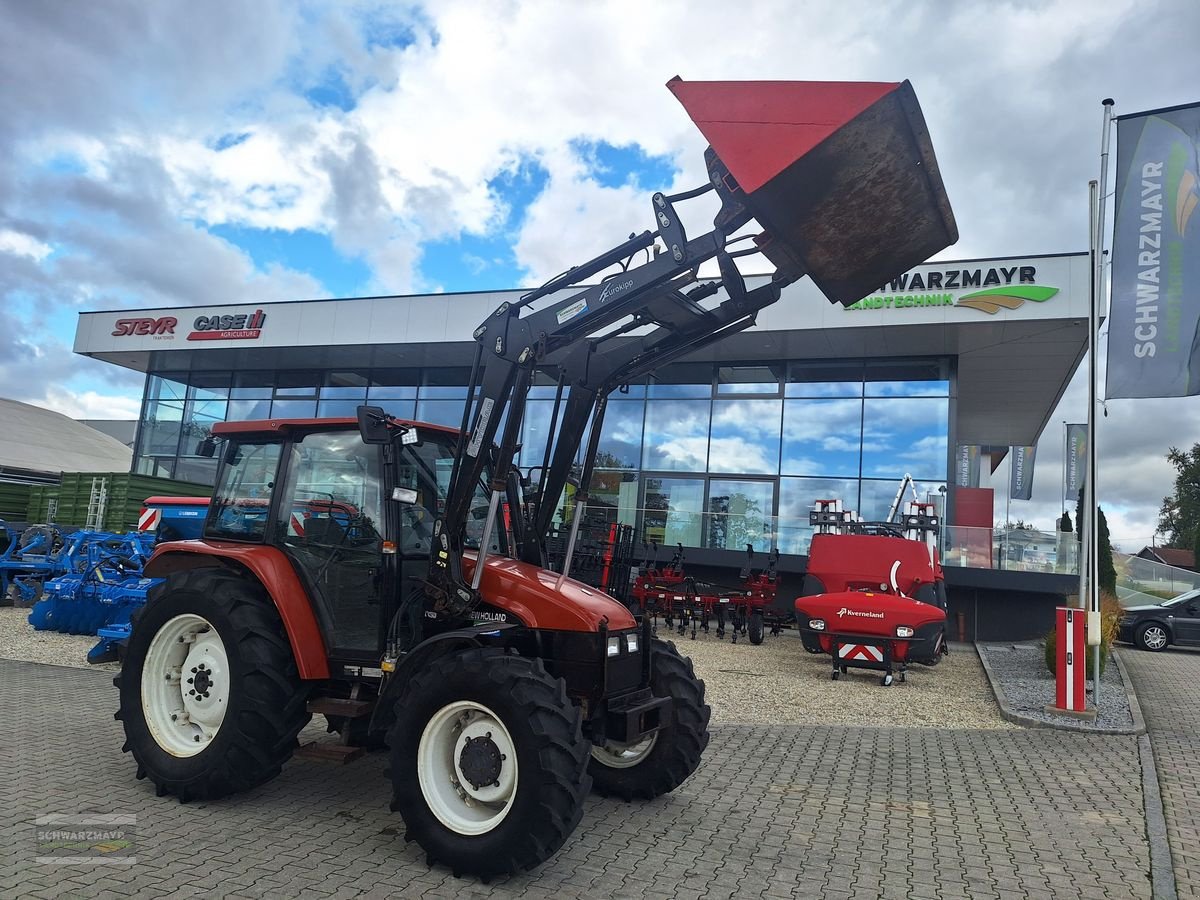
{"points": [[1154, 627]]}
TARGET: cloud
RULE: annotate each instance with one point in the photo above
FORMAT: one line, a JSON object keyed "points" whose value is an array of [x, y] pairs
{"points": [[128, 131]]}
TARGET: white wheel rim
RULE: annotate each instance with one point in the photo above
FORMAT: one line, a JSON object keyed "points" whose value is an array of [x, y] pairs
{"points": [[1155, 637], [185, 685], [623, 756], [463, 806]]}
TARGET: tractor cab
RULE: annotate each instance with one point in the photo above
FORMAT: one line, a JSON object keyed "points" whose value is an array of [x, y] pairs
{"points": [[354, 519]]}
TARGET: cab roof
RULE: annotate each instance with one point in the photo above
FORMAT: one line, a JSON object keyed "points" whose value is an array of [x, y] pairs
{"points": [[283, 426]]}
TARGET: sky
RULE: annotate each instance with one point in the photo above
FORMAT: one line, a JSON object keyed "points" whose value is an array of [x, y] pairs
{"points": [[177, 153]]}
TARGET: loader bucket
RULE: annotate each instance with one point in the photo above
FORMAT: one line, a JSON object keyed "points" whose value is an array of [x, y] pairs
{"points": [[840, 175]]}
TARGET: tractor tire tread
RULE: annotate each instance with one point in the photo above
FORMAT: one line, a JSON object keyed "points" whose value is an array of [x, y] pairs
{"points": [[273, 699], [542, 704], [669, 765]]}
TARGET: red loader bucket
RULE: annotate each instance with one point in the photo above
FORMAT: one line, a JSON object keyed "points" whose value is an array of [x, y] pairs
{"points": [[841, 175]]}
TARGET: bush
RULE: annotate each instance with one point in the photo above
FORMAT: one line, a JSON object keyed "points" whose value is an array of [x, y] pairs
{"points": [[1110, 621], [1050, 645]]}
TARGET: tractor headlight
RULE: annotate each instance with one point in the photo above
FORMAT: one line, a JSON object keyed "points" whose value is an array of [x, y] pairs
{"points": [[614, 646], [631, 643], [904, 631], [816, 624]]}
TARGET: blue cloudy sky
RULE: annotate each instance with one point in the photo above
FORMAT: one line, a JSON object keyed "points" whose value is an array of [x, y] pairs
{"points": [[178, 153]]}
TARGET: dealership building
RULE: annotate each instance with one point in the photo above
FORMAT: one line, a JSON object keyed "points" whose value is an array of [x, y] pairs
{"points": [[814, 401]]}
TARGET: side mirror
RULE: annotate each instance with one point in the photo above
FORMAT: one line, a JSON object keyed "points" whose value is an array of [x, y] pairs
{"points": [[372, 425], [207, 447]]}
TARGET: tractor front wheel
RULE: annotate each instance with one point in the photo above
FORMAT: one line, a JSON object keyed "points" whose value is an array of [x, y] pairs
{"points": [[210, 697], [663, 761], [488, 762]]}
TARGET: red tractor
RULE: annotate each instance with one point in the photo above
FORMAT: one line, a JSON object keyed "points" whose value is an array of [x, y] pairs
{"points": [[412, 604]]}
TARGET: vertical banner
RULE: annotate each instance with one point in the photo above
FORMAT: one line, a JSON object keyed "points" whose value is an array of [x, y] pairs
{"points": [[966, 466], [1154, 318], [1020, 486], [1075, 466]]}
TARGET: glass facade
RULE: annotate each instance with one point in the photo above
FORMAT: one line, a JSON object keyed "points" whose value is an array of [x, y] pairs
{"points": [[715, 455]]}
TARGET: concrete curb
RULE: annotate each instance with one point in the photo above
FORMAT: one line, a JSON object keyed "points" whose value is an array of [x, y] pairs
{"points": [[1008, 713], [1135, 708], [1162, 868]]}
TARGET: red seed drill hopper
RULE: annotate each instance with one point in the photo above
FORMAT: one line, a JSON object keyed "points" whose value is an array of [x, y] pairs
{"points": [[860, 589]]}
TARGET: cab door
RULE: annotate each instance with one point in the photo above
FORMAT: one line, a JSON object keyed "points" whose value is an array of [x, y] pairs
{"points": [[331, 525]]}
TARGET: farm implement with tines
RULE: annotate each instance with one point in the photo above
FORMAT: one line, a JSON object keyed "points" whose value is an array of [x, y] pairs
{"points": [[874, 595], [424, 614], [686, 603]]}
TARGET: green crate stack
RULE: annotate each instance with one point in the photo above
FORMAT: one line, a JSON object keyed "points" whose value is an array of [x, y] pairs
{"points": [[126, 493], [14, 500]]}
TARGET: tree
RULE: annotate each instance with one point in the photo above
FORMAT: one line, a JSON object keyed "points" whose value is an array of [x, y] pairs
{"points": [[1179, 517], [1064, 524], [1108, 571]]}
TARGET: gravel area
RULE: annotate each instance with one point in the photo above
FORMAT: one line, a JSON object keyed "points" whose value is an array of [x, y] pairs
{"points": [[18, 640], [1029, 687], [778, 683], [775, 683]]}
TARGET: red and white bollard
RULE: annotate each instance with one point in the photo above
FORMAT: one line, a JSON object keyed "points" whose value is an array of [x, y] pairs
{"points": [[1071, 670]]}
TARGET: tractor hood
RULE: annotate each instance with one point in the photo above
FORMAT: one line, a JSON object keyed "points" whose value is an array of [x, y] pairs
{"points": [[535, 597]]}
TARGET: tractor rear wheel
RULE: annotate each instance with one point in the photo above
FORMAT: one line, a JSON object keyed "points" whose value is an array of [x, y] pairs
{"points": [[210, 697], [488, 762], [664, 760]]}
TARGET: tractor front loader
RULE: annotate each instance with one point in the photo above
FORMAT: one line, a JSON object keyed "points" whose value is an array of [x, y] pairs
{"points": [[392, 575]]}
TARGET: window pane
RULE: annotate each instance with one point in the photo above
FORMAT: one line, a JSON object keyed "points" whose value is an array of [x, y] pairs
{"points": [[334, 409], [796, 498], [535, 427], [165, 389], [249, 410], [905, 435], [614, 495], [676, 435], [161, 426], [621, 438], [441, 412], [252, 385], [391, 392], [822, 437], [745, 437], [907, 378], [747, 380], [739, 513], [344, 380], [878, 496], [448, 382], [683, 380], [197, 469], [296, 384], [401, 409], [674, 511], [834, 378], [241, 503], [293, 409], [200, 417]]}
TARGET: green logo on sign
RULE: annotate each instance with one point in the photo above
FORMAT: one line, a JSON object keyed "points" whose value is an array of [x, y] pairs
{"points": [[993, 300]]}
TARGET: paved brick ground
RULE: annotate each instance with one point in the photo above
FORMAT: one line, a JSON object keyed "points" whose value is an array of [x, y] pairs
{"points": [[775, 811], [1166, 687]]}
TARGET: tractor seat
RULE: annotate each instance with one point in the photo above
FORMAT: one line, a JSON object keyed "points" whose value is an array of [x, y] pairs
{"points": [[324, 531]]}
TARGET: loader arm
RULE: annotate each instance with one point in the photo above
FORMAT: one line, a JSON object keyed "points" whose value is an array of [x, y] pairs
{"points": [[842, 184]]}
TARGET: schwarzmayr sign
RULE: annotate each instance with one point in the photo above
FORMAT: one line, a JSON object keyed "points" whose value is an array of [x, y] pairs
{"points": [[1003, 287]]}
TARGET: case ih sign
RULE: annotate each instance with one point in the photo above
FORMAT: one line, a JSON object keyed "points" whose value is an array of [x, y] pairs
{"points": [[240, 327]]}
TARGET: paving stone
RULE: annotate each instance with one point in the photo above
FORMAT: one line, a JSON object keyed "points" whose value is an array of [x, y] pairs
{"points": [[774, 811]]}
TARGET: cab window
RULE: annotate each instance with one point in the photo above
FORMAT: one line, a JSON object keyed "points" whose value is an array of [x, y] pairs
{"points": [[241, 500]]}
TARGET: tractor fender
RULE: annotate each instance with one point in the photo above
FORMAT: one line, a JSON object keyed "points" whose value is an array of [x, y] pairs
{"points": [[274, 573], [484, 635]]}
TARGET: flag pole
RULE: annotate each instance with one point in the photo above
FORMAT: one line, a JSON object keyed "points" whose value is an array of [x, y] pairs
{"points": [[1099, 197]]}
